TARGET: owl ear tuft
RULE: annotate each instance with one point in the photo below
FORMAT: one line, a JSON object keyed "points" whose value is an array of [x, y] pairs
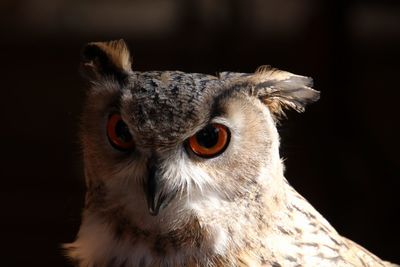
{"points": [[281, 90], [105, 59]]}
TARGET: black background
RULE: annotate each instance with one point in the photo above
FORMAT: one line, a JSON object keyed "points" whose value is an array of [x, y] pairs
{"points": [[341, 154]]}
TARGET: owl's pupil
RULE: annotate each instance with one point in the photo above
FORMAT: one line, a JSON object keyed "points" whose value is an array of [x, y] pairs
{"points": [[208, 137], [122, 131]]}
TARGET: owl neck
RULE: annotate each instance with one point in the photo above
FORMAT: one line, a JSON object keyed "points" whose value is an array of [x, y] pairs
{"points": [[268, 226], [212, 233]]}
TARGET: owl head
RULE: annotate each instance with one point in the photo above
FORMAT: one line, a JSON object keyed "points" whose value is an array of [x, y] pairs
{"points": [[181, 155]]}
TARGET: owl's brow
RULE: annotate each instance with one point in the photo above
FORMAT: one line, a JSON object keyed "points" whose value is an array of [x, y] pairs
{"points": [[227, 92]]}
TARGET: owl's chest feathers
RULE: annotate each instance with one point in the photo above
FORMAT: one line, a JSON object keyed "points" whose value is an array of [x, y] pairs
{"points": [[126, 245], [213, 233], [282, 232], [203, 237]]}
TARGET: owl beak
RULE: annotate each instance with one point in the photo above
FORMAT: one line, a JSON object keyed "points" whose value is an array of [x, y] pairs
{"points": [[157, 197]]}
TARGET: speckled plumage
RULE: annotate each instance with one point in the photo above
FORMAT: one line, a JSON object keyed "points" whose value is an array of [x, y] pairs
{"points": [[236, 209]]}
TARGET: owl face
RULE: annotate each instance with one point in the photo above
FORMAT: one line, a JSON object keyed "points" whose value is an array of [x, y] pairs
{"points": [[166, 149]]}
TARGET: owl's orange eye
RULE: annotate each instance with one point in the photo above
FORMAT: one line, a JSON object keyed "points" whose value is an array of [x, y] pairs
{"points": [[118, 133], [210, 141]]}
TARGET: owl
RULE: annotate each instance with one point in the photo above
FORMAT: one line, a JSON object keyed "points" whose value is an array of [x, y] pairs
{"points": [[183, 169]]}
